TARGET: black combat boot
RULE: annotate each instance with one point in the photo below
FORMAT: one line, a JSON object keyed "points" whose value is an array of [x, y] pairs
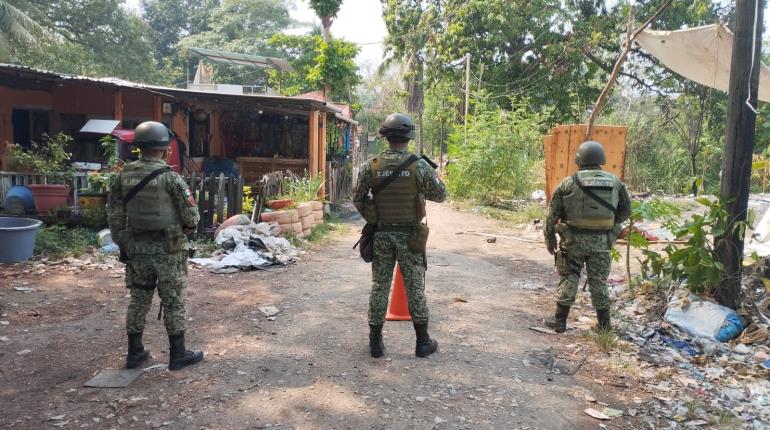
{"points": [[559, 322], [376, 347], [136, 352], [425, 345], [603, 316], [179, 357]]}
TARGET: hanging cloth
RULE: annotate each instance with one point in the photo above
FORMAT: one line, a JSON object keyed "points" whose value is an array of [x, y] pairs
{"points": [[701, 54]]}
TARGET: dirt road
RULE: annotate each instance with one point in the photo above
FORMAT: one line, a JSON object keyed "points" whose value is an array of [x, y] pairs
{"points": [[309, 368]]}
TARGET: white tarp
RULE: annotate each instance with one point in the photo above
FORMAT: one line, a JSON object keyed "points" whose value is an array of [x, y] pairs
{"points": [[701, 54]]}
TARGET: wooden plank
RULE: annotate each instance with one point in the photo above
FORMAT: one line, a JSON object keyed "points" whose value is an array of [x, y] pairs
{"points": [[199, 198], [312, 150], [322, 163], [211, 204], [239, 195], [560, 161], [220, 199], [548, 153]]}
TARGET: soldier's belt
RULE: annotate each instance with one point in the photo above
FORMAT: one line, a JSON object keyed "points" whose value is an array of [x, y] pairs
{"points": [[149, 236], [588, 231], [396, 228]]}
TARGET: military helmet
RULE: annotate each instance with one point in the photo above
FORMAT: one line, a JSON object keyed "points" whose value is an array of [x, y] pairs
{"points": [[397, 125], [151, 134], [590, 153]]}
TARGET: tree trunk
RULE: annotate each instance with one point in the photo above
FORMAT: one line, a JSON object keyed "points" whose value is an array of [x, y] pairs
{"points": [[420, 134], [739, 144], [326, 23]]}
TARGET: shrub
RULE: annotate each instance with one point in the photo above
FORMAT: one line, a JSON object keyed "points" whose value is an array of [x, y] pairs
{"points": [[49, 157], [695, 261], [303, 189], [58, 241], [497, 161]]}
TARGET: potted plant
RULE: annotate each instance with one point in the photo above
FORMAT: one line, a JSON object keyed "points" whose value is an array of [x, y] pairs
{"points": [[96, 193], [51, 159]]}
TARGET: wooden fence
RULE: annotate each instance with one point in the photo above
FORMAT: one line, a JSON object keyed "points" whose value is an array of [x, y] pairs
{"points": [[339, 184], [10, 179], [219, 198]]}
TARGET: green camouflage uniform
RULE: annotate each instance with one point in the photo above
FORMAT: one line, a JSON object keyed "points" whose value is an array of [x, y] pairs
{"points": [[591, 249], [156, 259], [391, 246]]}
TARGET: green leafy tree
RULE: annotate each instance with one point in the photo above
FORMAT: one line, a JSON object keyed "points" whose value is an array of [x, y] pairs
{"points": [[409, 29], [316, 64], [326, 10], [172, 20], [92, 37], [21, 22], [497, 162], [243, 26]]}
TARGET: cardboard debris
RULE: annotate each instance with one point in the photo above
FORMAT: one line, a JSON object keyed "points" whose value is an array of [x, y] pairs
{"points": [[596, 414], [114, 378]]}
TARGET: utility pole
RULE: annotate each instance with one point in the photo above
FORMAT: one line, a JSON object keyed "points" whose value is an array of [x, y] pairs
{"points": [[467, 94], [739, 143]]}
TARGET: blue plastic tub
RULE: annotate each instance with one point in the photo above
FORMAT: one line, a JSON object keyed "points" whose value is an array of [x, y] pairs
{"points": [[17, 238]]}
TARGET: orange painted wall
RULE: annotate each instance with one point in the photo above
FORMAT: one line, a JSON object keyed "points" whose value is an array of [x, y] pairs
{"points": [[137, 105], [92, 100], [215, 144], [10, 99]]}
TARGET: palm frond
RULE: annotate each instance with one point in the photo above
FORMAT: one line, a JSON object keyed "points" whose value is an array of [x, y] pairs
{"points": [[17, 22]]}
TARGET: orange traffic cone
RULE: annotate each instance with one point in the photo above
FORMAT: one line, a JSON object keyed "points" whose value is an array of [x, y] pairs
{"points": [[398, 310]]}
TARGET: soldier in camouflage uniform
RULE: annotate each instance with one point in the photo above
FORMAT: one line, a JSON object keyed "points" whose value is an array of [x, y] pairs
{"points": [[150, 227], [398, 210], [586, 211]]}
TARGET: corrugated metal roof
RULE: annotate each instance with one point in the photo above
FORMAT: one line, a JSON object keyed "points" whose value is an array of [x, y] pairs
{"points": [[243, 59], [170, 91]]}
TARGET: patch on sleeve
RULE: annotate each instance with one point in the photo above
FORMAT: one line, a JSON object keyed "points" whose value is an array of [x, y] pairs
{"points": [[189, 197]]}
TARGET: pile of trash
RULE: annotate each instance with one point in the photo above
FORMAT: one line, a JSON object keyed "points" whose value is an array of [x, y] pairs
{"points": [[700, 363], [245, 245]]}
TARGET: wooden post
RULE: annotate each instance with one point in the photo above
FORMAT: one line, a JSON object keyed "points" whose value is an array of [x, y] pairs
{"points": [[467, 95], [157, 112], [118, 108], [322, 151], [739, 143], [211, 203], [312, 144]]}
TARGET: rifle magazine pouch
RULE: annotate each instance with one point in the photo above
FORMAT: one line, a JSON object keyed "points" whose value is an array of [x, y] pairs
{"points": [[370, 211], [561, 263], [421, 213], [418, 239], [175, 240]]}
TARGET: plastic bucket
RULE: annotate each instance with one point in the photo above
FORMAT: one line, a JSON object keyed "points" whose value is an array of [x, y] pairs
{"points": [[17, 238]]}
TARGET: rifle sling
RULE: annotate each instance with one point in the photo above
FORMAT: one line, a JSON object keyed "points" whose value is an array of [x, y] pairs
{"points": [[593, 195], [408, 162], [138, 187]]}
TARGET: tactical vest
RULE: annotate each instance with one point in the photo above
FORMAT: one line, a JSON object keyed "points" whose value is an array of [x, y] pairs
{"points": [[151, 209], [586, 213], [396, 203]]}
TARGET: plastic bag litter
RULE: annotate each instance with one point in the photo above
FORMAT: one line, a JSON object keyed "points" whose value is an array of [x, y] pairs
{"points": [[701, 318]]}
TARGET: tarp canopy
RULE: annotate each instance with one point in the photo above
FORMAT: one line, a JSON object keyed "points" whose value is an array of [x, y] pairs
{"points": [[243, 59], [701, 54]]}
